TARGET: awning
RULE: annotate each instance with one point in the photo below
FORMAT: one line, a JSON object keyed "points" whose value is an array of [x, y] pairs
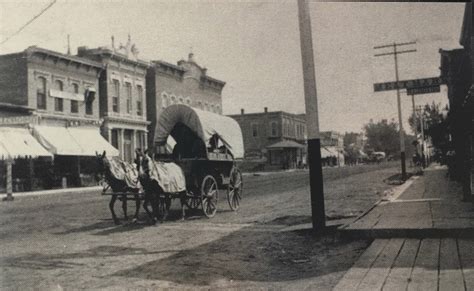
{"points": [[325, 153], [19, 143], [204, 124], [286, 144], [73, 141], [91, 142]]}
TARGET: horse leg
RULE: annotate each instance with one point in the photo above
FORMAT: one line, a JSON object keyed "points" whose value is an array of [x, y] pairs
{"points": [[124, 206], [137, 207], [167, 206], [111, 206], [146, 202], [183, 202]]}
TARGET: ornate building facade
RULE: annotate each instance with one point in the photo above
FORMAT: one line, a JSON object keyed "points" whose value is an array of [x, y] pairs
{"points": [[185, 83], [123, 90]]}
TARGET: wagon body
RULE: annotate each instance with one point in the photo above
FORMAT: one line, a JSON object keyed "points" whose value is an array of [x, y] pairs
{"points": [[206, 146]]}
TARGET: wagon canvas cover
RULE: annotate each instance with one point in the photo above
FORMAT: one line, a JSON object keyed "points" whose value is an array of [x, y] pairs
{"points": [[204, 124]]}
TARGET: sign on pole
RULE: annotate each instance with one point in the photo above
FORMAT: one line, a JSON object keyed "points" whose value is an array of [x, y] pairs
{"points": [[423, 90], [406, 84]]}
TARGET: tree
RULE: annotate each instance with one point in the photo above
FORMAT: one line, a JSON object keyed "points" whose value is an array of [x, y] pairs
{"points": [[350, 138], [435, 126], [382, 136]]}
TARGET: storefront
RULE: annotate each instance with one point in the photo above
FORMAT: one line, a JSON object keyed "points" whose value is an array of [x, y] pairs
{"points": [[287, 153]]}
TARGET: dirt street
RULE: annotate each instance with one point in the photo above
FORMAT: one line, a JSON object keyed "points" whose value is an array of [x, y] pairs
{"points": [[69, 241]]}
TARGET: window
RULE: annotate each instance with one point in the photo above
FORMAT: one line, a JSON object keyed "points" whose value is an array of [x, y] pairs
{"points": [[164, 100], [75, 103], [218, 109], [254, 129], [115, 105], [128, 90], [41, 93], [89, 101], [273, 128], [212, 108], [58, 102], [206, 106], [140, 100], [188, 101], [173, 99], [180, 100], [115, 96], [200, 105]]}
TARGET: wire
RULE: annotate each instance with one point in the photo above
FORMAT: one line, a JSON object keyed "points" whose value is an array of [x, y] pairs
{"points": [[29, 22]]}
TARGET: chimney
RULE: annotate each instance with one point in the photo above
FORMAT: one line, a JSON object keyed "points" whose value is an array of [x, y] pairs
{"points": [[242, 111], [191, 57], [265, 109], [81, 51]]}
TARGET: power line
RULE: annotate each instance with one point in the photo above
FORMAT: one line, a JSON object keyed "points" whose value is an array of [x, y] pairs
{"points": [[29, 22]]}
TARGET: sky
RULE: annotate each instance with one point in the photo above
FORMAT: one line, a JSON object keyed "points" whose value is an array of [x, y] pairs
{"points": [[254, 47]]}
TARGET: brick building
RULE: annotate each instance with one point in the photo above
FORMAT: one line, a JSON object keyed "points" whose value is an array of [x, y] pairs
{"points": [[123, 90], [277, 136], [185, 83], [54, 95]]}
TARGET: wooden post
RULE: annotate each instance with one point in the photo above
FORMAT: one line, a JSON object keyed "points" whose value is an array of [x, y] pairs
{"points": [[31, 173], [9, 186], [311, 105]]}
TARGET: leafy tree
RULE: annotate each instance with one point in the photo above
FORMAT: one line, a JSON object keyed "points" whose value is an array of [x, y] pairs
{"points": [[435, 126], [350, 138], [382, 136]]}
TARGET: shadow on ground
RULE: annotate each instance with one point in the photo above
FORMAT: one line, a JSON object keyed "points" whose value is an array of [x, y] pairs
{"points": [[253, 254]]}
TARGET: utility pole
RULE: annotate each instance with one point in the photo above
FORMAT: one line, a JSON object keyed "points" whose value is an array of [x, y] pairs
{"points": [[422, 125], [311, 104], [415, 120], [395, 54]]}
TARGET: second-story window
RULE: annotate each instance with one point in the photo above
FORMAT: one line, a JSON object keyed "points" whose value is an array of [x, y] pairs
{"points": [[58, 102], [254, 129], [89, 101], [140, 100], [75, 103], [128, 92], [41, 93], [116, 96], [273, 128]]}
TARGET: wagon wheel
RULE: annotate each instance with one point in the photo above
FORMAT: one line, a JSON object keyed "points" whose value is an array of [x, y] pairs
{"points": [[192, 201], [209, 193], [234, 189]]}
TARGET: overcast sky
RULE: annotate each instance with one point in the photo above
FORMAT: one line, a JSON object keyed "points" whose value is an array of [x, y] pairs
{"points": [[254, 46]]}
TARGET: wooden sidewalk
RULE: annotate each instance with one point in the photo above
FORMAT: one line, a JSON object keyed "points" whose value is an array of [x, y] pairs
{"points": [[430, 207], [413, 264]]}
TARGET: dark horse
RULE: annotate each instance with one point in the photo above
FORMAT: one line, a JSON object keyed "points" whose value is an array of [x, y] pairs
{"points": [[159, 198], [122, 185]]}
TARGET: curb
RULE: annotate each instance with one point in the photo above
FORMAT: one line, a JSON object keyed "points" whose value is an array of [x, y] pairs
{"points": [[55, 191]]}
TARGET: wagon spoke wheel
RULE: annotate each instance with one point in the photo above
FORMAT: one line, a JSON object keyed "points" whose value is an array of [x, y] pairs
{"points": [[192, 201], [209, 193], [234, 189]]}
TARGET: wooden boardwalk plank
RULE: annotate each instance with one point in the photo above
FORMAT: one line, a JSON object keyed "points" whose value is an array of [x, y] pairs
{"points": [[357, 272], [450, 273], [425, 271], [466, 253], [377, 273], [402, 268]]}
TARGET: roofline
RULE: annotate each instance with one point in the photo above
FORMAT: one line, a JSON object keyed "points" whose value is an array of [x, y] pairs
{"points": [[16, 107], [34, 49], [297, 115], [112, 54], [160, 62]]}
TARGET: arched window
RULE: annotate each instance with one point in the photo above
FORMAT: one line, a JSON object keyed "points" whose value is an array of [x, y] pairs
{"points": [[212, 108], [173, 99], [200, 105], [188, 101], [180, 100], [206, 106], [58, 85], [41, 93], [218, 109]]}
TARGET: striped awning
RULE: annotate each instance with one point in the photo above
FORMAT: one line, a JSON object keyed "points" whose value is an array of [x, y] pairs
{"points": [[19, 143]]}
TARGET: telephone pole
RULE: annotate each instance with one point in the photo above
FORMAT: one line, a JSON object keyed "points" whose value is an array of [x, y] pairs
{"points": [[311, 104], [395, 54]]}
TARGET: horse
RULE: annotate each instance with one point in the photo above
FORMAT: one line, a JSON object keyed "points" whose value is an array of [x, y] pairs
{"points": [[153, 173], [122, 178]]}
